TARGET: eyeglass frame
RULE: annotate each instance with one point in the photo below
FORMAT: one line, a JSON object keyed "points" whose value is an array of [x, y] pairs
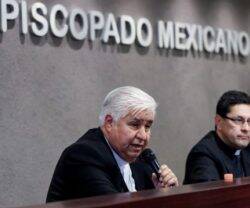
{"points": [[239, 120]]}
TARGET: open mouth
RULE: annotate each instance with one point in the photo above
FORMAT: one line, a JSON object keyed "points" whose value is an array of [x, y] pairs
{"points": [[137, 147]]}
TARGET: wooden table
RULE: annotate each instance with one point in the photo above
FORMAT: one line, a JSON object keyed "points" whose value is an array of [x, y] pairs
{"points": [[216, 194]]}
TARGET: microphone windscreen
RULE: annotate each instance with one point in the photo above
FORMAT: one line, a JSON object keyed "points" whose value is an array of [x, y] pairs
{"points": [[147, 155]]}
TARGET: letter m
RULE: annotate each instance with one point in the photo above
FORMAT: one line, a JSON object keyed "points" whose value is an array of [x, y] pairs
{"points": [[165, 34]]}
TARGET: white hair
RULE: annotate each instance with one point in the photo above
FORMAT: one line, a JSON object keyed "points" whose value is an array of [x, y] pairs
{"points": [[123, 100]]}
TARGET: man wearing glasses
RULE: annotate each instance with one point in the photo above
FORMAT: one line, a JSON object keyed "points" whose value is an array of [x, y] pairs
{"points": [[225, 150]]}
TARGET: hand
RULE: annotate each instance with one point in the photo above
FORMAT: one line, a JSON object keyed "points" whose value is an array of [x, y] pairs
{"points": [[167, 178]]}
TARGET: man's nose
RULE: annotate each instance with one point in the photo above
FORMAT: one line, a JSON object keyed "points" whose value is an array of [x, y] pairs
{"points": [[142, 134], [245, 126]]}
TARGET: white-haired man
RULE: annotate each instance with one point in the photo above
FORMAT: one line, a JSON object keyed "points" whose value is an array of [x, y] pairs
{"points": [[104, 160]]}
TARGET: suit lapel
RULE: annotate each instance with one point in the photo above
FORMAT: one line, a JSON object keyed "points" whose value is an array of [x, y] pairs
{"points": [[246, 161], [227, 161], [142, 175], [220, 152], [117, 177], [120, 183], [137, 177]]}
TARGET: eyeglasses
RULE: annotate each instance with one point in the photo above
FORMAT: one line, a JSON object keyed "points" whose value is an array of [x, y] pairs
{"points": [[238, 120]]}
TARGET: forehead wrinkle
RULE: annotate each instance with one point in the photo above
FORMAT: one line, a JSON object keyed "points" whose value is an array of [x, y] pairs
{"points": [[239, 115], [150, 121], [141, 116]]}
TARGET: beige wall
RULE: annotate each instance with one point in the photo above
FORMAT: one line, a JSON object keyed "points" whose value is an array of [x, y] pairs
{"points": [[51, 90]]}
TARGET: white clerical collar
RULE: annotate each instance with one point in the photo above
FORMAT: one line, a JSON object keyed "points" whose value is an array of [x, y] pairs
{"points": [[237, 152]]}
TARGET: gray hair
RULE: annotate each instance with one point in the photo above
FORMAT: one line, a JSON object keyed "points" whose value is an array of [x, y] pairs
{"points": [[122, 100]]}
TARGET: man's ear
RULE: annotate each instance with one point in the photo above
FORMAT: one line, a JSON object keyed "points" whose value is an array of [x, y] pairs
{"points": [[217, 121], [108, 122]]}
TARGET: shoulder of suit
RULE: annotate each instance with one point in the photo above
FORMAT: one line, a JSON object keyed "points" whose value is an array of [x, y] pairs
{"points": [[207, 143], [91, 144]]}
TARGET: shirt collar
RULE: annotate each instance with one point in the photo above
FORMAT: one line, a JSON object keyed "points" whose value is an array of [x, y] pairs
{"points": [[237, 152]]}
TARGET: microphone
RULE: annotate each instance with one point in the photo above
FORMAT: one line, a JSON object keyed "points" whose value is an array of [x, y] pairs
{"points": [[149, 157]]}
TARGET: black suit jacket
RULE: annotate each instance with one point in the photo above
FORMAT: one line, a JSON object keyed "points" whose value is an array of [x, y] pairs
{"points": [[88, 168], [210, 159]]}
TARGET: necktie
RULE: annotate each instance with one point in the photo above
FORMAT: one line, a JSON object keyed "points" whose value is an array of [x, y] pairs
{"points": [[238, 166]]}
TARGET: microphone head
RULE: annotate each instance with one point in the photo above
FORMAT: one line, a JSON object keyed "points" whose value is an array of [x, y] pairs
{"points": [[147, 156]]}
